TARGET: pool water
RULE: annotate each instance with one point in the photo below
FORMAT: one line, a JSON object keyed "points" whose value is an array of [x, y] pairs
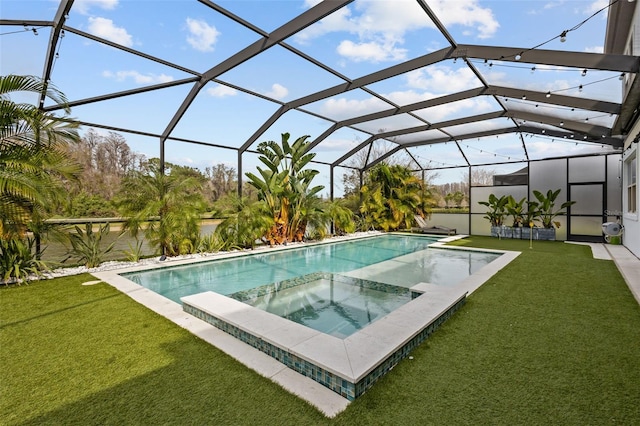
{"points": [[400, 260], [330, 303]]}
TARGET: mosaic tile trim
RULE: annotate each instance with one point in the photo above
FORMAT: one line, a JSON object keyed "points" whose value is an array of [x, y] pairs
{"points": [[338, 384], [254, 293], [392, 360]]}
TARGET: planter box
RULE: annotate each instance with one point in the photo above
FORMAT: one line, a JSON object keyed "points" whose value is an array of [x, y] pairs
{"points": [[543, 234]]}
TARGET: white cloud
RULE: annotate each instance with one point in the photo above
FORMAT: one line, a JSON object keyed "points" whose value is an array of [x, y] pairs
{"points": [[342, 108], [442, 79], [277, 91], [448, 111], [370, 51], [552, 4], [406, 97], [183, 161], [106, 29], [380, 26], [220, 91], [594, 49], [597, 5], [202, 35], [137, 77], [83, 6], [467, 13], [423, 84], [335, 144]]}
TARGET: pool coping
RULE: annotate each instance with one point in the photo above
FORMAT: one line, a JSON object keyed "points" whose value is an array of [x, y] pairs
{"points": [[343, 363], [325, 400]]}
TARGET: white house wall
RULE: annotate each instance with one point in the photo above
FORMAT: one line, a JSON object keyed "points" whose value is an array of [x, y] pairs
{"points": [[631, 221]]}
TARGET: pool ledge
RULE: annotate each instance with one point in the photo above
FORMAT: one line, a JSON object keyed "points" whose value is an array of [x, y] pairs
{"points": [[347, 366]]}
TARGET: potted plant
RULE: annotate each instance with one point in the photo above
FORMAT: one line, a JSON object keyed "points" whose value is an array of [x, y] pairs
{"points": [[515, 209], [547, 213], [496, 214], [528, 220]]}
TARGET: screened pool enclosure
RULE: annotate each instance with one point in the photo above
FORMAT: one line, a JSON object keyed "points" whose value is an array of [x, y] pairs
{"points": [[425, 83]]}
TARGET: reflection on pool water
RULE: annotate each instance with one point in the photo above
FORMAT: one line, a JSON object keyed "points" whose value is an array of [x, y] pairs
{"points": [[330, 303], [401, 260]]}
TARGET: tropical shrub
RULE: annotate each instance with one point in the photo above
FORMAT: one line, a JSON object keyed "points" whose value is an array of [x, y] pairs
{"points": [[17, 260], [497, 209], [546, 208], [285, 187], [210, 243], [166, 208], [341, 216], [543, 210], [134, 254], [87, 205], [33, 159], [515, 209], [87, 245], [242, 229], [392, 196]]}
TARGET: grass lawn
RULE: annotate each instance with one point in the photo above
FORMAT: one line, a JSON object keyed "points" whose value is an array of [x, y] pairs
{"points": [[554, 338]]}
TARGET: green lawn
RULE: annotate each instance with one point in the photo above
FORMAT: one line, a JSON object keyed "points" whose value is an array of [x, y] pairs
{"points": [[554, 338]]}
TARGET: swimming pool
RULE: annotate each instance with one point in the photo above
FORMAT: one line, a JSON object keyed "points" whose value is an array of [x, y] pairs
{"points": [[437, 279], [401, 260], [330, 303]]}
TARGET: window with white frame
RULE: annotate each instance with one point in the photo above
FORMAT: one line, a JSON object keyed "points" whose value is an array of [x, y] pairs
{"points": [[632, 171]]}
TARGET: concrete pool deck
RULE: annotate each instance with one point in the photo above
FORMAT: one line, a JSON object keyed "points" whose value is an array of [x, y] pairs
{"points": [[325, 400], [625, 261]]}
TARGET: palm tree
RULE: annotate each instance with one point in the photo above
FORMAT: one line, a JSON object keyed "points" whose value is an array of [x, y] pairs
{"points": [[250, 222], [33, 156], [168, 207], [392, 196]]}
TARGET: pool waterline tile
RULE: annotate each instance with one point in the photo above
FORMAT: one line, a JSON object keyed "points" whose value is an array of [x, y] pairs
{"points": [[346, 366]]}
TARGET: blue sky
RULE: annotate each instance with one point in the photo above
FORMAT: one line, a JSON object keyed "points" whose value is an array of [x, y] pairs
{"points": [[362, 38]]}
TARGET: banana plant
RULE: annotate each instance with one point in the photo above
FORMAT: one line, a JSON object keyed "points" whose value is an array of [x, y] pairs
{"points": [[546, 205], [497, 209], [285, 186], [515, 209]]}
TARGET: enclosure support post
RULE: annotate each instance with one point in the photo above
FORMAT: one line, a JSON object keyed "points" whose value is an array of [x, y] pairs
{"points": [[331, 182], [239, 174], [360, 187], [469, 186], [331, 194], [162, 141]]}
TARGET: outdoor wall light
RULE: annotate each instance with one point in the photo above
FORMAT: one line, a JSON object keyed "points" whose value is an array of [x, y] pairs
{"points": [[548, 95], [584, 72]]}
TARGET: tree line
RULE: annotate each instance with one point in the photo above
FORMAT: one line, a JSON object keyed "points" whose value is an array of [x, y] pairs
{"points": [[107, 161]]}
